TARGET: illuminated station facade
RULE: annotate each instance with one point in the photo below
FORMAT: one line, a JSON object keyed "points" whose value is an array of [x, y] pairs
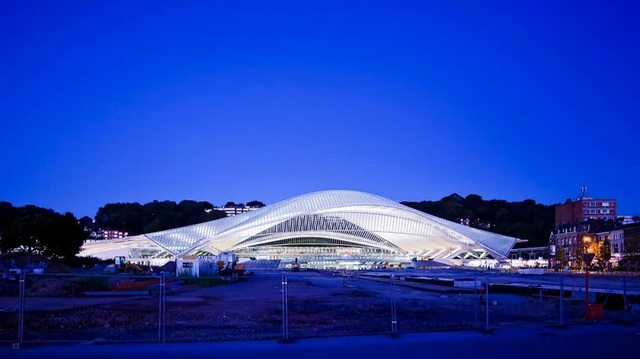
{"points": [[327, 229]]}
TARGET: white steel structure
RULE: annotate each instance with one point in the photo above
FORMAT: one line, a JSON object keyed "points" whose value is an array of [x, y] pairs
{"points": [[318, 227]]}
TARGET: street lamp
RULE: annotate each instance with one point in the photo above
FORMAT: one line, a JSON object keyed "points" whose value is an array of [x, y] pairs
{"points": [[587, 258]]}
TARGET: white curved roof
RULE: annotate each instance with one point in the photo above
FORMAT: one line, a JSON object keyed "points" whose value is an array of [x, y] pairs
{"points": [[351, 216]]}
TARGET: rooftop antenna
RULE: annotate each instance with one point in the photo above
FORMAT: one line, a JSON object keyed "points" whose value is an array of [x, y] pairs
{"points": [[583, 190]]}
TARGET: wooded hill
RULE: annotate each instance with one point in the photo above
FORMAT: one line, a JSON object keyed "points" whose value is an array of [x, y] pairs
{"points": [[524, 219]]}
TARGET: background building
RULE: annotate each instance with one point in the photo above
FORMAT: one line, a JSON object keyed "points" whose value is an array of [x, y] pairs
{"points": [[234, 210], [579, 218], [631, 248], [574, 212]]}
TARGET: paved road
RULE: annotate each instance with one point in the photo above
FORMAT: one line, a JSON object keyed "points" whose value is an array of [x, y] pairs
{"points": [[589, 341]]}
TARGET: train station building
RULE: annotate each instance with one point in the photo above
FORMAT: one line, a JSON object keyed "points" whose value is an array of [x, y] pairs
{"points": [[319, 230]]}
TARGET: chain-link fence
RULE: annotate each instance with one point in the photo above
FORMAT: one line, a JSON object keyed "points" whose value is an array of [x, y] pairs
{"points": [[276, 305], [9, 307], [99, 308]]}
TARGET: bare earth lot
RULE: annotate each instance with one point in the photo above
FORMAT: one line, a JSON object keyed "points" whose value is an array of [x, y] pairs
{"points": [[320, 304]]}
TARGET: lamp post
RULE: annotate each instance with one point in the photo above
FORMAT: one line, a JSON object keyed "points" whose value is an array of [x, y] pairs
{"points": [[587, 258]]}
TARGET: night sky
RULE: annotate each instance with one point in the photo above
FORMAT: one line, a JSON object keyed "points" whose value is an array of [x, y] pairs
{"points": [[105, 101]]}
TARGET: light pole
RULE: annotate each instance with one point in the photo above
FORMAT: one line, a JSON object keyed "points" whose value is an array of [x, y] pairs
{"points": [[587, 257]]}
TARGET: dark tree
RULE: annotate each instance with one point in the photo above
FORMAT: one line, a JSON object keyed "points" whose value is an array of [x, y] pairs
{"points": [[7, 216], [525, 220], [192, 212], [603, 252], [65, 237], [160, 215], [154, 216], [197, 212], [35, 230], [27, 231], [255, 204], [215, 214], [561, 257], [125, 217], [86, 223]]}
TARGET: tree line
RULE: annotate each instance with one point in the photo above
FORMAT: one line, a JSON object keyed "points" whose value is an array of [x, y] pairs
{"points": [[35, 230], [521, 219], [135, 218], [39, 231]]}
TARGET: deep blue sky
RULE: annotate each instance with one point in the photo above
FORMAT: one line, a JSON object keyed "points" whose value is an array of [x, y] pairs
{"points": [[140, 100]]}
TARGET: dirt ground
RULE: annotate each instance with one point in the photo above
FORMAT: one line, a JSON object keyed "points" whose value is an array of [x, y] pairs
{"points": [[319, 304]]}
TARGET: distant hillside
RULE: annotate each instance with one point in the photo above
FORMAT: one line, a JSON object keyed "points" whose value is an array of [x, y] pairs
{"points": [[135, 218], [525, 219]]}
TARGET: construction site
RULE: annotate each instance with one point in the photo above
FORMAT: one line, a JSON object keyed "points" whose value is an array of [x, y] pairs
{"points": [[239, 303]]}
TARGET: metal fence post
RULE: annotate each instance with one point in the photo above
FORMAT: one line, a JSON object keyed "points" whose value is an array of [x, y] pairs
{"points": [[161, 309], [21, 304], [486, 291], [561, 300], [394, 318], [285, 309], [476, 300]]}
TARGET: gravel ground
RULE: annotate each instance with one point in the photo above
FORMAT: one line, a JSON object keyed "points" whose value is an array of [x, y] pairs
{"points": [[319, 305]]}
